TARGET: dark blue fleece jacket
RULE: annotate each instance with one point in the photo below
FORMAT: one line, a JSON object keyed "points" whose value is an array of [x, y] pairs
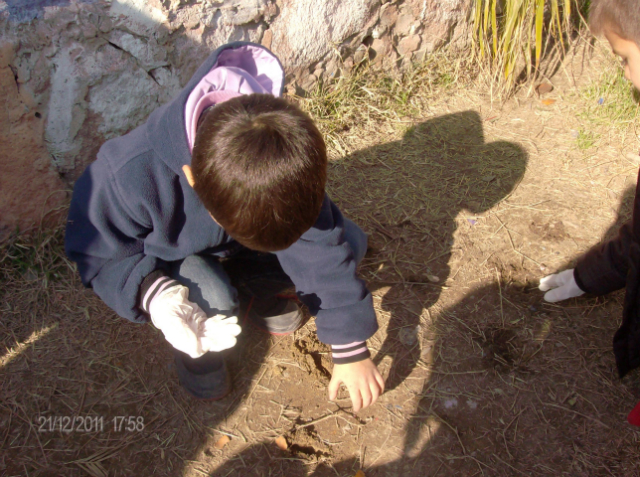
{"points": [[133, 211]]}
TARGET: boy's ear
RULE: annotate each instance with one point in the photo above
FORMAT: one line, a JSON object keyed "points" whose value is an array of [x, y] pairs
{"points": [[187, 172]]}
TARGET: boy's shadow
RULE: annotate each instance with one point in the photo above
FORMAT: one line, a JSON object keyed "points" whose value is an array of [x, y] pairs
{"points": [[420, 456], [416, 188]]}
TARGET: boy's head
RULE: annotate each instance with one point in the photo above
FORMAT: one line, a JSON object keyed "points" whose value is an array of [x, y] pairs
{"points": [[260, 167], [619, 22]]}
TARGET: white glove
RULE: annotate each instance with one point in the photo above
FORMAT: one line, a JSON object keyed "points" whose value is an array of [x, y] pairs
{"points": [[561, 285], [187, 328]]}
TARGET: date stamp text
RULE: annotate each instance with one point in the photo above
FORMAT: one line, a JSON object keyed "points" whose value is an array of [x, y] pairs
{"points": [[89, 424]]}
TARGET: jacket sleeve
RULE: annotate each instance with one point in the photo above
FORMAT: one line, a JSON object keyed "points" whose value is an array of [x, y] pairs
{"points": [[322, 266], [604, 268], [106, 240]]}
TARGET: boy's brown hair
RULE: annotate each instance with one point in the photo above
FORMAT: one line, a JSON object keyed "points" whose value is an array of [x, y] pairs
{"points": [[621, 17], [260, 167]]}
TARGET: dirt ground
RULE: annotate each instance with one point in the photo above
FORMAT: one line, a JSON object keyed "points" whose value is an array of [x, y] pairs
{"points": [[468, 202]]}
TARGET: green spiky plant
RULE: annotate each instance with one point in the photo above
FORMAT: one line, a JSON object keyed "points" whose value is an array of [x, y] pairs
{"points": [[514, 35]]}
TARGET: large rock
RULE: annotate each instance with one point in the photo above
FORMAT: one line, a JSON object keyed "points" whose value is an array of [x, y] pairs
{"points": [[30, 190], [77, 72], [305, 31]]}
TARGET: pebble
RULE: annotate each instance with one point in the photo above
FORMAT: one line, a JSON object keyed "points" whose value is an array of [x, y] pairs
{"points": [[409, 335], [450, 403]]}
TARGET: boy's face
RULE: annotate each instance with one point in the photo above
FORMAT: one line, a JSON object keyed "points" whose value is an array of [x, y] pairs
{"points": [[629, 52]]}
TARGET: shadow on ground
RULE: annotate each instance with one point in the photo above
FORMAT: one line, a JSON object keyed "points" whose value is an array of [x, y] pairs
{"points": [[512, 385], [408, 194]]}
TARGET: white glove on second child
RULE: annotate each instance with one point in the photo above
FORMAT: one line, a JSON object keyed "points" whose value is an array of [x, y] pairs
{"points": [[561, 285], [186, 326]]}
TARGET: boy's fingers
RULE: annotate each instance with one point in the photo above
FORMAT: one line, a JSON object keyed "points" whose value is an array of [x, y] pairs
{"points": [[380, 380], [367, 398], [375, 391], [356, 398], [334, 385]]}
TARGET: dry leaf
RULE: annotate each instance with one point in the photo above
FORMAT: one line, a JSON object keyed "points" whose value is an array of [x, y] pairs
{"points": [[548, 102], [544, 88], [281, 442], [360, 473], [222, 442]]}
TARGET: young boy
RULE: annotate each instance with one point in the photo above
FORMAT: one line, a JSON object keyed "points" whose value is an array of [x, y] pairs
{"points": [[615, 264], [217, 203]]}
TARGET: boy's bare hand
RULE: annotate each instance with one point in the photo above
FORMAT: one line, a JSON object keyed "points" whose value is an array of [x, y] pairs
{"points": [[362, 379]]}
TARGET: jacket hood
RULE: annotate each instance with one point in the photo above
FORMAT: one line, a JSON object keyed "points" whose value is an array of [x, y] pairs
{"points": [[166, 128]]}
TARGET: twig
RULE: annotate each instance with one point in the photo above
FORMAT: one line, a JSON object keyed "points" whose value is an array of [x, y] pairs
{"points": [[256, 385], [513, 245], [500, 291], [509, 465], [315, 421], [576, 412], [455, 431]]}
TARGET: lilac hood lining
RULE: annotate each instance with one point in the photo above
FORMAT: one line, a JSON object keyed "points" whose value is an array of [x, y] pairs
{"points": [[245, 70]]}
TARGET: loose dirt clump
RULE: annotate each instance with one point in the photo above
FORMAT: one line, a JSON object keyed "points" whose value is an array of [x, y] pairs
{"points": [[304, 442], [314, 357]]}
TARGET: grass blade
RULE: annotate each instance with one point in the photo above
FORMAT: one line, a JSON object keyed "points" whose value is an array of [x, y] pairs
{"points": [[494, 27], [539, 24]]}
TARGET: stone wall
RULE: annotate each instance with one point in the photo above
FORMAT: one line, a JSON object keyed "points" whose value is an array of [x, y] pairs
{"points": [[74, 73]]}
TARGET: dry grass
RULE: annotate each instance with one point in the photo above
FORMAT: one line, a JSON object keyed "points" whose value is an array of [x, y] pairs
{"points": [[467, 204]]}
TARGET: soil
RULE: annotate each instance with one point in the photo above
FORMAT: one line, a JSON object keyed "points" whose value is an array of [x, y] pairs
{"points": [[467, 205]]}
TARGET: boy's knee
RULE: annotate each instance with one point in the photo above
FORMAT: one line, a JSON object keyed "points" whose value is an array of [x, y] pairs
{"points": [[356, 238], [209, 285]]}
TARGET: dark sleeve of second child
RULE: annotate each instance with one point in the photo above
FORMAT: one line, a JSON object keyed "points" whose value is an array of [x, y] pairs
{"points": [[105, 236], [604, 268], [322, 266]]}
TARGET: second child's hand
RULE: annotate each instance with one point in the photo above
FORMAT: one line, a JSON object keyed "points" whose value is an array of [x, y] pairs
{"points": [[362, 379], [560, 286]]}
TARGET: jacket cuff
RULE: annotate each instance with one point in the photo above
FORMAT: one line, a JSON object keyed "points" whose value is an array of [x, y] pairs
{"points": [[350, 353], [154, 284], [578, 280]]}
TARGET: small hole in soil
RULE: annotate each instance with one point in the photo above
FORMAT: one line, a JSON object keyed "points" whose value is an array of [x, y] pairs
{"points": [[38, 115]]}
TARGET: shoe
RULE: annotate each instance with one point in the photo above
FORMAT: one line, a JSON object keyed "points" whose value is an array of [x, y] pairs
{"points": [[205, 378], [276, 315]]}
